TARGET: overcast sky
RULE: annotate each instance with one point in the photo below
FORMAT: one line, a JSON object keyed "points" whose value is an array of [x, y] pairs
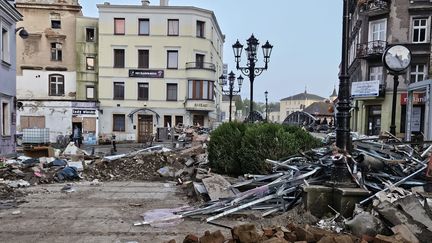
{"points": [[306, 35]]}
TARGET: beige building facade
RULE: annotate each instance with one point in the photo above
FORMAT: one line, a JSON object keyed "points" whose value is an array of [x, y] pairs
{"points": [[158, 67], [297, 102], [46, 66]]}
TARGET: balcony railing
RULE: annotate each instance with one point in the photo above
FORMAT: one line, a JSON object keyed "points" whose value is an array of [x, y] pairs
{"points": [[374, 7], [201, 65], [371, 49]]}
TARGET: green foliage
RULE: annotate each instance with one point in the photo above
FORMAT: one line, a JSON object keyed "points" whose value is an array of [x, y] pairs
{"points": [[237, 148]]}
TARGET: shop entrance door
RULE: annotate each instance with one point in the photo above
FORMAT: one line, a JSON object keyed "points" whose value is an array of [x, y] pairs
{"points": [[145, 128], [374, 120]]}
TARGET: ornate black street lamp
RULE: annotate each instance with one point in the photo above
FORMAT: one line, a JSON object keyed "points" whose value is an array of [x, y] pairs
{"points": [[250, 70], [266, 107], [230, 92]]}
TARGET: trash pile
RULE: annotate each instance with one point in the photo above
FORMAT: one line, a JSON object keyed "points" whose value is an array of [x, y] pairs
{"points": [[248, 233]]}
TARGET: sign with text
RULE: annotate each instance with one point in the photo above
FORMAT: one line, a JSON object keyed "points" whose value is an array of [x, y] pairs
{"points": [[83, 112], [416, 119], [365, 88], [418, 98], [136, 73]]}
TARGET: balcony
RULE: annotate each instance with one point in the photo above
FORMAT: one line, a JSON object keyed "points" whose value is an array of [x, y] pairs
{"points": [[372, 49], [375, 7], [201, 65]]}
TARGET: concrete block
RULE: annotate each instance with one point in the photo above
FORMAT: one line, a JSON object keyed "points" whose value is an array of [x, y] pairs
{"points": [[317, 199], [345, 199]]}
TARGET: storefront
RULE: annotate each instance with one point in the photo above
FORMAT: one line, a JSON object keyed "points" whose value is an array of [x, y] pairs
{"points": [[418, 110]]}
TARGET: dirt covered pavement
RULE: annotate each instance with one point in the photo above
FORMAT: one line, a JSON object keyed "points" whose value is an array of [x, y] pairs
{"points": [[97, 212]]}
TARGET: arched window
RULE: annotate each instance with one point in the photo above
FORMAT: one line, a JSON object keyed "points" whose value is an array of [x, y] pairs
{"points": [[56, 85]]}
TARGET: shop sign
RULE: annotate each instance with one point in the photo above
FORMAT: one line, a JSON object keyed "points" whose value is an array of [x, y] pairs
{"points": [[365, 88], [418, 98], [136, 73], [201, 105], [83, 112], [416, 119]]}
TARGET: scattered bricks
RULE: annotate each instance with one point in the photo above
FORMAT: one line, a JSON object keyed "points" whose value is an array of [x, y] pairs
{"points": [[172, 241], [317, 233], [275, 240], [245, 234], [327, 239], [304, 235], [191, 239], [268, 232], [343, 239], [215, 237], [387, 239], [290, 236]]}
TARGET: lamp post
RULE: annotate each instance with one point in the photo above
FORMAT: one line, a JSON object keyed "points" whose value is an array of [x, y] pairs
{"points": [[230, 92], [266, 107], [250, 70]]}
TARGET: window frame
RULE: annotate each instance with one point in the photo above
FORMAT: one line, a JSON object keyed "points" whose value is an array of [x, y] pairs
{"points": [[371, 32], [416, 73], [148, 26], [58, 52], [5, 118], [167, 91], [376, 73], [122, 96], [5, 50], [94, 92], [140, 62], [115, 26], [88, 67], [54, 22], [168, 27], [196, 90], [168, 59], [123, 62], [146, 91], [200, 29], [114, 127], [419, 28], [62, 83], [87, 36]]}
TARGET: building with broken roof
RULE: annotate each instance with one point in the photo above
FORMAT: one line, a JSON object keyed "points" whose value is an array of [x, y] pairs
{"points": [[8, 18]]}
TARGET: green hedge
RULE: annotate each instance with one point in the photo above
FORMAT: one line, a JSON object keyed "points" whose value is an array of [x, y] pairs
{"points": [[239, 148]]}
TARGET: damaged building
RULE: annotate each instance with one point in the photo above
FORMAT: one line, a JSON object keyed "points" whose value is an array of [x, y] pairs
{"points": [[376, 25], [47, 70]]}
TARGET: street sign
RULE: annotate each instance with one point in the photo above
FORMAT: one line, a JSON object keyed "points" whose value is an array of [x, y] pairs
{"points": [[365, 88]]}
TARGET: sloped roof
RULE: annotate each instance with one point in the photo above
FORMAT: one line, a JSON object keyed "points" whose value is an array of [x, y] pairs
{"points": [[334, 94], [304, 96], [319, 108]]}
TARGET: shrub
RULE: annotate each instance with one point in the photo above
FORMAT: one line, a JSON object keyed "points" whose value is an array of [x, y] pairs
{"points": [[237, 148]]}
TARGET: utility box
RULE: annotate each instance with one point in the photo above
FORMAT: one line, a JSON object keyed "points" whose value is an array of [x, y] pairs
{"points": [[35, 136]]}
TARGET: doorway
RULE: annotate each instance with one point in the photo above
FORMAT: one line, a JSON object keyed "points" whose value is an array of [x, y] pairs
{"points": [[374, 120], [145, 128], [198, 120]]}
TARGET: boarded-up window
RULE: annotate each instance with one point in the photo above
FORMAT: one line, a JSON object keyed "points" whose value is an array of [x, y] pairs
{"points": [[32, 122], [89, 125]]}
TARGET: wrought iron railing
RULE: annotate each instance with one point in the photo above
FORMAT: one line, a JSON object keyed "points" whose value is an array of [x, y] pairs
{"points": [[201, 65], [372, 48]]}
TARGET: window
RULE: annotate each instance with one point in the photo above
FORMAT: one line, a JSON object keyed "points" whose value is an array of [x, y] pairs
{"points": [[143, 58], [90, 92], [119, 26], [376, 73], [418, 72], [5, 119], [200, 29], [143, 91], [90, 34], [90, 65], [178, 120], [199, 58], [200, 90], [172, 92], [119, 58], [172, 59], [144, 27], [378, 30], [119, 123], [173, 27], [119, 90], [5, 54], [56, 51], [168, 121], [55, 24], [56, 85], [419, 30]]}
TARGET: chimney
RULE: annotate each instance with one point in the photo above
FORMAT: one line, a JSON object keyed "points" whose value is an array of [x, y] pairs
{"points": [[145, 2], [164, 2]]}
